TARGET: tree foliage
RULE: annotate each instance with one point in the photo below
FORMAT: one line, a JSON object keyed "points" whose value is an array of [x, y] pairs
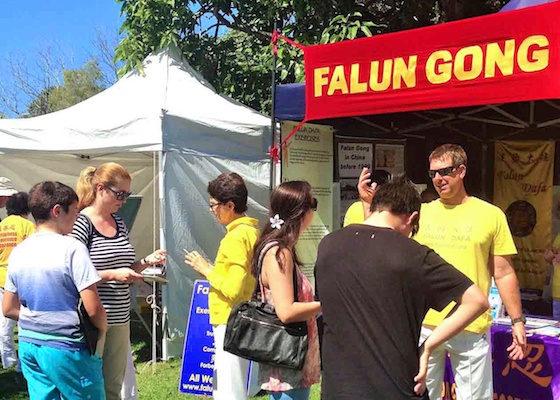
{"points": [[78, 85], [229, 41]]}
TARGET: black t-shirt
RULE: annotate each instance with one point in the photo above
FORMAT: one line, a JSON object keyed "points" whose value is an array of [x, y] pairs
{"points": [[375, 286]]}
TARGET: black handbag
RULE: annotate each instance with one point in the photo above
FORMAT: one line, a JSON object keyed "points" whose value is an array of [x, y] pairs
{"points": [[255, 332], [90, 331]]}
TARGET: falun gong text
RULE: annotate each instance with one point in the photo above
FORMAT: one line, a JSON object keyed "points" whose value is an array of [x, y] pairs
{"points": [[495, 59]]}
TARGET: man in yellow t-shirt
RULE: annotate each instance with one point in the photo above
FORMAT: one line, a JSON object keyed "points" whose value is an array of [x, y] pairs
{"points": [[13, 230], [474, 236]]}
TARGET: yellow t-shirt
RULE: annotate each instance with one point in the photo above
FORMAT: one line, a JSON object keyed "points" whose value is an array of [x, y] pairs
{"points": [[13, 230], [231, 281], [556, 273], [466, 236], [354, 214]]}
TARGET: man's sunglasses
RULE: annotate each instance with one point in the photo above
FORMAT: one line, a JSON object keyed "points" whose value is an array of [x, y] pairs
{"points": [[120, 195], [442, 171], [314, 204]]}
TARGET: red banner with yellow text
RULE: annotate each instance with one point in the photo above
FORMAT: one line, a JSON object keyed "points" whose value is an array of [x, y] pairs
{"points": [[523, 172], [499, 58]]}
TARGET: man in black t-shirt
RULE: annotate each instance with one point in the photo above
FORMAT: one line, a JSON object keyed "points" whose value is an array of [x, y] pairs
{"points": [[375, 286]]}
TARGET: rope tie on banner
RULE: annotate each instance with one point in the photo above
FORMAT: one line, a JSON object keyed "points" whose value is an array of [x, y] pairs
{"points": [[275, 150], [276, 35]]}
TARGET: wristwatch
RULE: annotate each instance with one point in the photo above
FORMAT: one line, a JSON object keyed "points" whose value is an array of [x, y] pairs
{"points": [[519, 319]]}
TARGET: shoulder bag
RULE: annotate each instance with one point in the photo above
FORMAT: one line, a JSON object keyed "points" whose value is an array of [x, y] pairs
{"points": [[90, 331], [255, 332]]}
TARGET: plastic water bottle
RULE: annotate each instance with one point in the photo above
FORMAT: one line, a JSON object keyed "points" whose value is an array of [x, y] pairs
{"points": [[497, 309]]}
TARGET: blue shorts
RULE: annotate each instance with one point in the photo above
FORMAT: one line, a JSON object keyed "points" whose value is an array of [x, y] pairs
{"points": [[55, 373]]}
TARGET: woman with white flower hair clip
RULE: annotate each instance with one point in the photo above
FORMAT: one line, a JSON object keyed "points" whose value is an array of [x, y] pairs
{"points": [[292, 207]]}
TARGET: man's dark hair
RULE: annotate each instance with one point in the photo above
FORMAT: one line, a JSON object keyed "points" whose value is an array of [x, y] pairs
{"points": [[45, 195], [399, 196], [17, 204], [229, 187]]}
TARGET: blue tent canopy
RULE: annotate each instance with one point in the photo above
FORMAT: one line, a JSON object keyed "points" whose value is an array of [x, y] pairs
{"points": [[519, 4], [290, 99]]}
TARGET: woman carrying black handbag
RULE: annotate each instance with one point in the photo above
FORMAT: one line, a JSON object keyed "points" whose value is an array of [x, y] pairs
{"points": [[292, 207]]}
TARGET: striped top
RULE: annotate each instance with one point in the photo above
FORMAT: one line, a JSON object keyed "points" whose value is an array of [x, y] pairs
{"points": [[109, 253]]}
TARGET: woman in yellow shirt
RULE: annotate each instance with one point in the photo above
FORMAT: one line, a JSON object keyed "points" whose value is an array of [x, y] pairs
{"points": [[230, 278]]}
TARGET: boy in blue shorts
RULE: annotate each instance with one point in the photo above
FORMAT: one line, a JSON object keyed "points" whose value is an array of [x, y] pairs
{"points": [[48, 273]]}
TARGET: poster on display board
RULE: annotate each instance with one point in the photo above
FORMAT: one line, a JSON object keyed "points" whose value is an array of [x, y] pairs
{"points": [[352, 158], [361, 153], [197, 368], [523, 173], [308, 156]]}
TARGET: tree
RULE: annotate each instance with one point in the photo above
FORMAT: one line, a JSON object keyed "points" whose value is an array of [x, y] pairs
{"points": [[229, 41], [78, 85], [44, 81], [104, 43], [28, 80]]}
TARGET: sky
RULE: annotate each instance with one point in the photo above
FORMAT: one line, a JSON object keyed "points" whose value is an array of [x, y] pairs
{"points": [[66, 26], [25, 25]]}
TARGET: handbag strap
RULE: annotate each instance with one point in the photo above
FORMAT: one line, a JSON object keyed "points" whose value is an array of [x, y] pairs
{"points": [[258, 289]]}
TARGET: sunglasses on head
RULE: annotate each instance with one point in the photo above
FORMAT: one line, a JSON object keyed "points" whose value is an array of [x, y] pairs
{"points": [[121, 194], [446, 171], [314, 204]]}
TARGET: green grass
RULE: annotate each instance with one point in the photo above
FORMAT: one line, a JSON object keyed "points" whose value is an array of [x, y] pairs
{"points": [[163, 385]]}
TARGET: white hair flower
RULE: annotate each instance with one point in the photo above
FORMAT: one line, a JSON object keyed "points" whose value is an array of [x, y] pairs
{"points": [[276, 222]]}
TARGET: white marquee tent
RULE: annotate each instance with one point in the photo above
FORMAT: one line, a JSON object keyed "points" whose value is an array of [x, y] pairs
{"points": [[174, 133]]}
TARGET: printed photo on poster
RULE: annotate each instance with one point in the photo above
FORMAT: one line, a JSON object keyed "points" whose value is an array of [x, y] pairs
{"points": [[389, 157]]}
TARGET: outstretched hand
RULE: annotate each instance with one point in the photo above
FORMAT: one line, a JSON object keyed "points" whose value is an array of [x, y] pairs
{"points": [[126, 275], [198, 263], [157, 257]]}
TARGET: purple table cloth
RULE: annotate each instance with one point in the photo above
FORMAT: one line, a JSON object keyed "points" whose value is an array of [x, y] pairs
{"points": [[537, 377]]}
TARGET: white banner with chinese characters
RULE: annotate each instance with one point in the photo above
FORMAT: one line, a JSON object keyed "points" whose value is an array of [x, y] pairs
{"points": [[308, 156]]}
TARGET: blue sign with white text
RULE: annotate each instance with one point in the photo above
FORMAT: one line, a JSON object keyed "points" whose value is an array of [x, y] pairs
{"points": [[198, 352]]}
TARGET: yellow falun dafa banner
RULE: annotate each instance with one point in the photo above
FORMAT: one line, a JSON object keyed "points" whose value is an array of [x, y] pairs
{"points": [[523, 182]]}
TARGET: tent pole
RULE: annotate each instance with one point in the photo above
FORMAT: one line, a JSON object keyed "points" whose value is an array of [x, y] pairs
{"points": [[275, 140], [162, 245]]}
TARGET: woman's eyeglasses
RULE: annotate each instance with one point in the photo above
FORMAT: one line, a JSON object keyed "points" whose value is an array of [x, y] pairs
{"points": [[442, 171], [121, 194], [214, 205]]}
